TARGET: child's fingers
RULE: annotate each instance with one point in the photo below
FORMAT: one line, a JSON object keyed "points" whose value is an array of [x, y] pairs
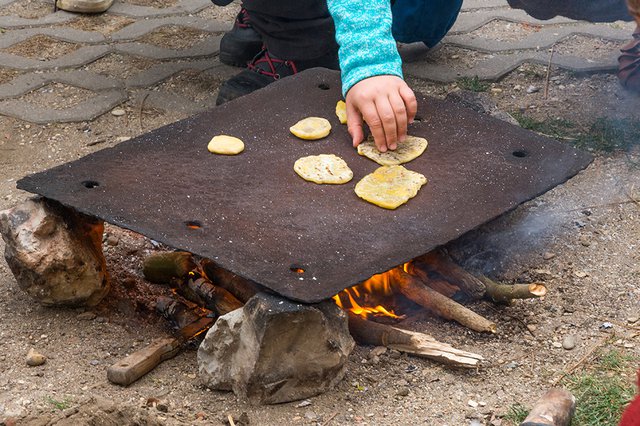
{"points": [[388, 118], [354, 124], [370, 114], [410, 102], [400, 111]]}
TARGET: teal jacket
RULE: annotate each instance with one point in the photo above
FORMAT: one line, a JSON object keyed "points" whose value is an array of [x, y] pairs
{"points": [[367, 31]]}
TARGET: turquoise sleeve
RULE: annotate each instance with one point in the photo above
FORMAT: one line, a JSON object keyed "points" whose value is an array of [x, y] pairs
{"points": [[367, 47]]}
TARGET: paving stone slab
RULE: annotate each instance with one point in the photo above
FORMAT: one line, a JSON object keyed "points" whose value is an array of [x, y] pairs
{"points": [[209, 46], [71, 35], [135, 11], [157, 73], [141, 28], [470, 21], [483, 4], [85, 111], [545, 38], [57, 18], [26, 83], [77, 58]]}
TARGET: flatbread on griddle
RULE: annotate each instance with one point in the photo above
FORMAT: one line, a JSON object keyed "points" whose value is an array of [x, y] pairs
{"points": [[390, 187], [311, 128], [341, 112], [408, 150], [225, 145], [323, 168]]}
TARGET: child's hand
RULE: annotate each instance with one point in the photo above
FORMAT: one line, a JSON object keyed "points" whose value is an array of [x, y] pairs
{"points": [[387, 104]]}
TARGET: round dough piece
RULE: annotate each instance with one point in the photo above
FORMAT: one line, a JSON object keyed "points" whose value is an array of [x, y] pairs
{"points": [[341, 112], [311, 128], [390, 187], [323, 168], [408, 150], [225, 145]]}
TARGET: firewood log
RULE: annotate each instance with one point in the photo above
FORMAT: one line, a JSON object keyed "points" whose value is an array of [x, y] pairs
{"points": [[166, 267], [506, 293], [241, 288], [438, 262], [215, 298], [439, 304], [419, 344], [179, 311], [554, 408]]}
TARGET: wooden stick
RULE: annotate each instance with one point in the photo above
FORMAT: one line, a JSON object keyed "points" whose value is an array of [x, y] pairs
{"points": [[439, 304], [215, 298], [179, 311], [241, 288], [438, 264], [419, 344], [554, 408], [166, 267], [505, 293], [546, 80]]}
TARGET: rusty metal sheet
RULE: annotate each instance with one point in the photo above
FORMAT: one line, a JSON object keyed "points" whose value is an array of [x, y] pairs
{"points": [[253, 215]]}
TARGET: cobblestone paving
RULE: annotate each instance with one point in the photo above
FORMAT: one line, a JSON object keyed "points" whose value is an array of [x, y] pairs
{"points": [[468, 51]]}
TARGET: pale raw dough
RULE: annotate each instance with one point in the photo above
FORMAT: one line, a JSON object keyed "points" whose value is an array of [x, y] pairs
{"points": [[311, 128], [390, 186], [226, 145], [408, 150], [323, 168]]}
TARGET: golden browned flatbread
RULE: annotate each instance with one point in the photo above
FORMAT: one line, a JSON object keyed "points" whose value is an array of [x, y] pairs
{"points": [[323, 168], [390, 186], [411, 148], [226, 145], [311, 128], [341, 112]]}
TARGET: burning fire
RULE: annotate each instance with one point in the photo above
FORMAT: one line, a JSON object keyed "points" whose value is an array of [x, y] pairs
{"points": [[365, 299]]}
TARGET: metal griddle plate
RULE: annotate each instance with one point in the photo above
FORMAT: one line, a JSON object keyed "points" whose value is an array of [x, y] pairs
{"points": [[260, 220]]}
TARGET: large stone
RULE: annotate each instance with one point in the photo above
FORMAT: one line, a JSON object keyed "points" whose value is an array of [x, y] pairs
{"points": [[55, 253], [273, 350]]}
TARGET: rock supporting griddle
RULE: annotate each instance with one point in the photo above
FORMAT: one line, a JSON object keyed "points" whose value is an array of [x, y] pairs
{"points": [[273, 350], [55, 253]]}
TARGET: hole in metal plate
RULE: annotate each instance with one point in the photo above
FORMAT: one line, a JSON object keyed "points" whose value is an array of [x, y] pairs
{"points": [[323, 86], [193, 224], [90, 184], [418, 118], [520, 153], [296, 269]]}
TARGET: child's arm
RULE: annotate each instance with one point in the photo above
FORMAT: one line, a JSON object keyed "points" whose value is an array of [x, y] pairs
{"points": [[372, 71]]}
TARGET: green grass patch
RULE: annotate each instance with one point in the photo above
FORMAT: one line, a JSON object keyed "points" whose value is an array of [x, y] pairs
{"points": [[516, 414], [59, 405], [555, 127], [474, 84], [604, 135], [608, 135], [602, 392]]}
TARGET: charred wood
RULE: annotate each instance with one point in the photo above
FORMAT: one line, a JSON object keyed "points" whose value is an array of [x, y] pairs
{"points": [[179, 311], [213, 297], [242, 288], [419, 344], [415, 290], [437, 263]]}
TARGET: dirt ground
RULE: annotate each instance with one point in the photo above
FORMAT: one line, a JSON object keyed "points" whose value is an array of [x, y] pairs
{"points": [[580, 239]]}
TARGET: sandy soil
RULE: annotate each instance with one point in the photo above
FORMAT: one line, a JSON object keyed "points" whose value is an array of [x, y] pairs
{"points": [[580, 239]]}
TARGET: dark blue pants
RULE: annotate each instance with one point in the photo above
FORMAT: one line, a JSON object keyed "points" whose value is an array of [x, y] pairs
{"points": [[304, 30]]}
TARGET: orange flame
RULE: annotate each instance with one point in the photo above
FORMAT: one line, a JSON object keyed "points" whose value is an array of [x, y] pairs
{"points": [[362, 299]]}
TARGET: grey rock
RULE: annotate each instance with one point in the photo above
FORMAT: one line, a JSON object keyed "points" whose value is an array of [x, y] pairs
{"points": [[55, 253], [569, 342], [35, 358], [273, 350]]}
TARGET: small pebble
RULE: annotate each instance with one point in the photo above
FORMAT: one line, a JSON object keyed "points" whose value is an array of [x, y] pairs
{"points": [[633, 320], [531, 327], [472, 403], [403, 391], [304, 403], [580, 274], [86, 316], [556, 344], [118, 112], [377, 351], [112, 240], [162, 407], [94, 362], [533, 89], [548, 255], [310, 415], [569, 341], [35, 359]]}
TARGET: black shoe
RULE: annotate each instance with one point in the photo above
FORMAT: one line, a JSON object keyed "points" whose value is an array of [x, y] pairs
{"points": [[241, 44], [264, 70]]}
